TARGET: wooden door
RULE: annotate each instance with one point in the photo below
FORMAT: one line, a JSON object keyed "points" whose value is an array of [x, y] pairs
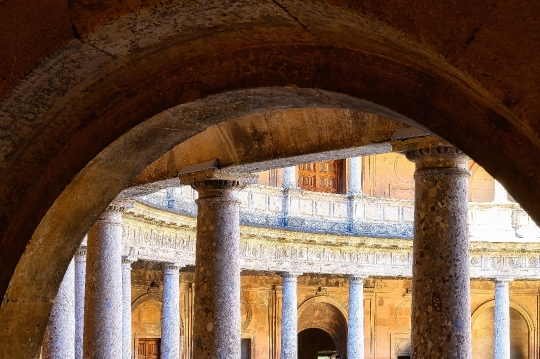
{"points": [[245, 348], [149, 348], [321, 176]]}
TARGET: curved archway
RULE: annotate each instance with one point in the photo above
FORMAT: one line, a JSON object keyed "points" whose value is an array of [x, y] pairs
{"points": [[327, 314], [522, 330], [68, 130]]}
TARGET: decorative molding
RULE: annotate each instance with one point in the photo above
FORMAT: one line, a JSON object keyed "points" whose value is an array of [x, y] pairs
{"points": [[163, 236]]}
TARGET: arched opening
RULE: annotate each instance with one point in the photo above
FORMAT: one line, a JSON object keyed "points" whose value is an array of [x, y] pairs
{"points": [[314, 343], [102, 101], [324, 313], [483, 333]]}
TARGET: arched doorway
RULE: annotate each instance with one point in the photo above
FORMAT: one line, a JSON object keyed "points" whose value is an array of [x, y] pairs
{"points": [[314, 343], [483, 332], [325, 314]]}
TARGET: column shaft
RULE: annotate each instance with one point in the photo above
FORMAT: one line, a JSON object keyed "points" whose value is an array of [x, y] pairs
{"points": [[289, 178], [216, 329], [59, 341], [126, 308], [103, 296], [355, 175], [441, 326], [289, 317], [80, 274], [170, 313], [502, 319], [355, 338]]}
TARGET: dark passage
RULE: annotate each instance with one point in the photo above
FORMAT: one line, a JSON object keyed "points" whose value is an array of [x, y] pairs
{"points": [[315, 344]]}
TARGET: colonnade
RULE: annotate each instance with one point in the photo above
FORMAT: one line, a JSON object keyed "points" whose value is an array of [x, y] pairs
{"points": [[440, 286]]}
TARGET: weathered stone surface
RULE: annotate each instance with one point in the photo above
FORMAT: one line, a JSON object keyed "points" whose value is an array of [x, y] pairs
{"points": [[170, 312], [289, 316], [103, 294], [501, 345], [441, 321], [126, 307], [80, 282], [216, 331], [59, 341], [355, 333]]}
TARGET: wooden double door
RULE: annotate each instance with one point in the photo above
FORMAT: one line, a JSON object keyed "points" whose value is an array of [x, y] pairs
{"points": [[149, 348]]}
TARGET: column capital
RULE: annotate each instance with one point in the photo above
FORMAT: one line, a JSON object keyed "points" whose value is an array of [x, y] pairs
{"points": [[503, 279], [80, 255], [127, 260], [115, 209], [291, 274], [357, 277], [172, 266], [447, 159]]}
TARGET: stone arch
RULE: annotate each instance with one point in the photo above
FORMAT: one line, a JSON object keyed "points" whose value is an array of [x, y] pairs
{"points": [[328, 314], [143, 298], [522, 312], [71, 113]]}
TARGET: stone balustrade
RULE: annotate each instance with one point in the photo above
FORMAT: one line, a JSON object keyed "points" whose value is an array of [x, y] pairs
{"points": [[371, 216]]}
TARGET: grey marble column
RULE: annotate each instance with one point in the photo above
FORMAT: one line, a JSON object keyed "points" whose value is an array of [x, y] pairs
{"points": [[289, 316], [59, 341], [289, 178], [103, 296], [126, 307], [441, 310], [502, 319], [355, 176], [355, 336], [216, 329], [170, 312], [80, 274]]}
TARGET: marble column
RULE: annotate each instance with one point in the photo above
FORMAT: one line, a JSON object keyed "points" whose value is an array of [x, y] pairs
{"points": [[170, 312], [80, 274], [441, 324], [355, 337], [289, 316], [59, 341], [502, 319], [289, 178], [355, 176], [103, 296], [126, 307], [216, 330]]}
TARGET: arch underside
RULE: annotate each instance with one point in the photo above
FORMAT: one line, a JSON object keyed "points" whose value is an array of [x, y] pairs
{"points": [[98, 111]]}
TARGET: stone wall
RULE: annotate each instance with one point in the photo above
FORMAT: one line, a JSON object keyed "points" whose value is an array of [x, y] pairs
{"points": [[322, 303]]}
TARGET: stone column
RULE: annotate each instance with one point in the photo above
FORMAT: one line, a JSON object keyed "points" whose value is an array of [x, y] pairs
{"points": [[501, 196], [103, 297], [216, 330], [355, 338], [80, 274], [126, 307], [59, 341], [502, 318], [289, 317], [170, 312], [355, 176], [289, 178], [441, 324]]}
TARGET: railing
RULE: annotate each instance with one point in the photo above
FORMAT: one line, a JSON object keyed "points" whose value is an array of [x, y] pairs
{"points": [[316, 212]]}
